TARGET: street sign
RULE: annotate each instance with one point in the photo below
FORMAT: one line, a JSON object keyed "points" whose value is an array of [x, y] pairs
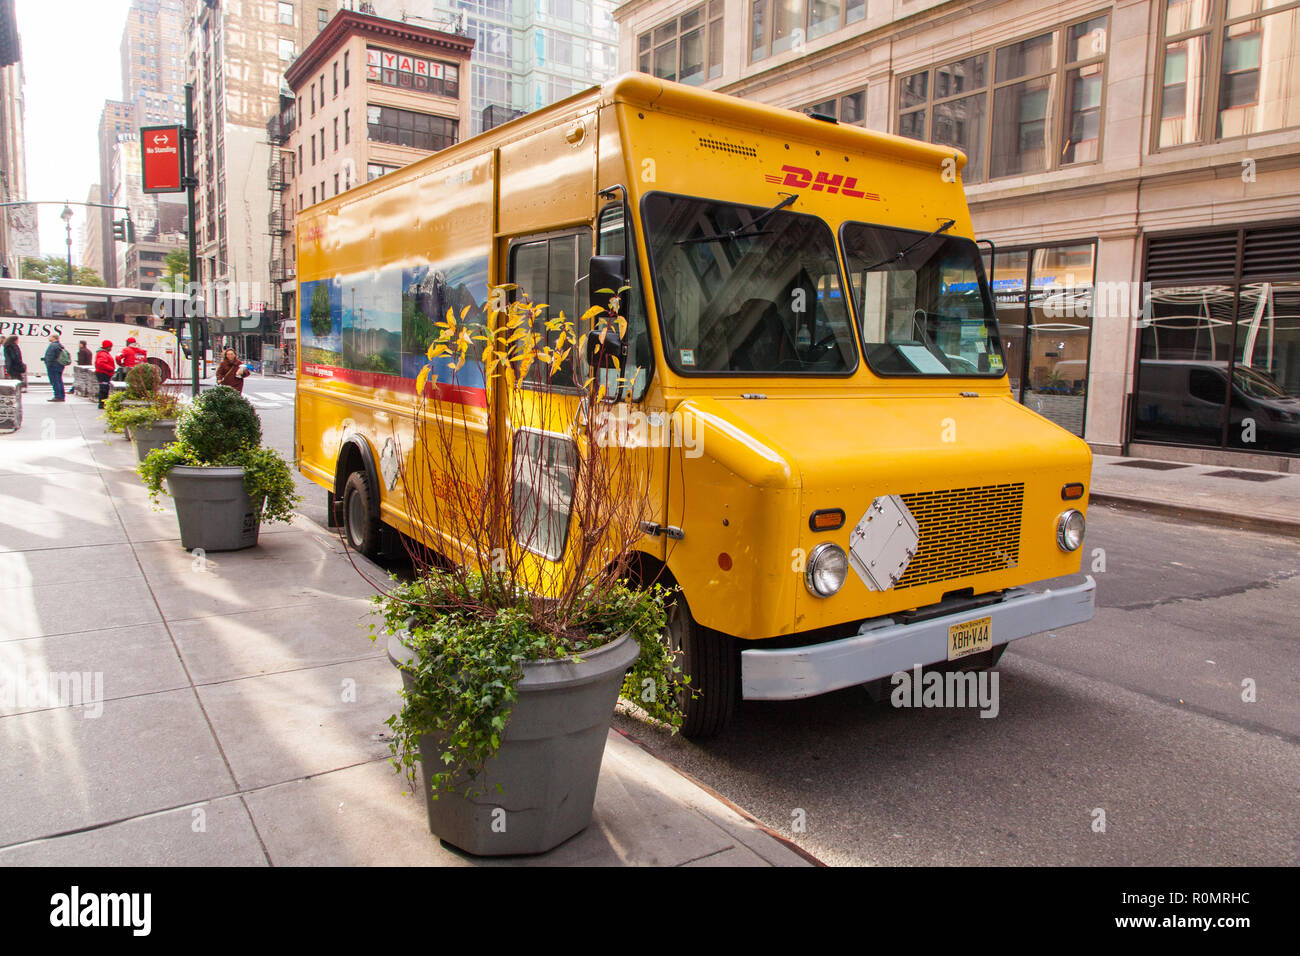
{"points": [[161, 161]]}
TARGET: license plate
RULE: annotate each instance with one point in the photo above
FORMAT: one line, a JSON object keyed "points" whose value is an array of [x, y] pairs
{"points": [[970, 637]]}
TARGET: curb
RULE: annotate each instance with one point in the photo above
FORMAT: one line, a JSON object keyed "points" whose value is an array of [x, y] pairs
{"points": [[789, 844], [1287, 527]]}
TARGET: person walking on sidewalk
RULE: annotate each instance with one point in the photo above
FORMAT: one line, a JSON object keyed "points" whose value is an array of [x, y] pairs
{"points": [[84, 355], [14, 365], [231, 371], [56, 359], [105, 366]]}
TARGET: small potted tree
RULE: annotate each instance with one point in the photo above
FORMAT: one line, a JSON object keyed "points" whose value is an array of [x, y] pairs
{"points": [[523, 623], [224, 483], [121, 408]]}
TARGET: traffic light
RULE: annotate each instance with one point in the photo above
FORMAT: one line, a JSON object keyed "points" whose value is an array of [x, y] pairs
{"points": [[123, 230]]}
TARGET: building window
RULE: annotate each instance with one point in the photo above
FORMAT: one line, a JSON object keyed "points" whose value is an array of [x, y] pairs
{"points": [[313, 149], [687, 49], [322, 19], [780, 25], [848, 108], [408, 72], [336, 184], [313, 99], [313, 195], [336, 134], [300, 166], [336, 77], [286, 13], [1227, 70], [347, 127], [347, 73], [386, 124], [286, 49], [375, 170], [1025, 107]]}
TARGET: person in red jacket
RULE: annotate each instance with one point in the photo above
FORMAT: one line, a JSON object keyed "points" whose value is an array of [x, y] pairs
{"points": [[104, 369], [130, 356]]}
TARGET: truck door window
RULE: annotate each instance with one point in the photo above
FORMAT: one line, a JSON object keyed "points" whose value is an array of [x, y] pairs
{"points": [[611, 240], [551, 271], [924, 305], [544, 468]]}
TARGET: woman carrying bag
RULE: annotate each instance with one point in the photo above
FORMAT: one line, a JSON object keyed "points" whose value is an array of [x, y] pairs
{"points": [[15, 367], [231, 371]]}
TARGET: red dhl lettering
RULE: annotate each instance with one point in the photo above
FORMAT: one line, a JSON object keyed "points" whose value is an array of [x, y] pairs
{"points": [[821, 181]]}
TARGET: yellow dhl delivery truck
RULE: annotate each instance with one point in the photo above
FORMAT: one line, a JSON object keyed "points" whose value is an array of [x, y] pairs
{"points": [[849, 489]]}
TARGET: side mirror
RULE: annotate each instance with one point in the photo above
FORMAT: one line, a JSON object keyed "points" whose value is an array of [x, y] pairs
{"points": [[605, 276]]}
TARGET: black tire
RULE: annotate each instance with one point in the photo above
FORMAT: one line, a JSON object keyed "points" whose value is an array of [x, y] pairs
{"points": [[164, 370], [711, 660], [360, 517]]}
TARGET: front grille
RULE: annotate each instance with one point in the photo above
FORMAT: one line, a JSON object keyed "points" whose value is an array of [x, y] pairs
{"points": [[964, 531]]}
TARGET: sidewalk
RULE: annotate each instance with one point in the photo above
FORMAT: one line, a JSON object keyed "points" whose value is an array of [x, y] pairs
{"points": [[242, 704], [1267, 501]]}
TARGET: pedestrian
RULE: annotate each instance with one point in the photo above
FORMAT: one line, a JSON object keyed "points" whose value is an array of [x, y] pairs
{"points": [[15, 367], [84, 355], [231, 371], [56, 358], [104, 368], [130, 356]]}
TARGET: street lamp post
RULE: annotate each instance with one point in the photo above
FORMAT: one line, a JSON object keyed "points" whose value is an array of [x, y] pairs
{"points": [[66, 216]]}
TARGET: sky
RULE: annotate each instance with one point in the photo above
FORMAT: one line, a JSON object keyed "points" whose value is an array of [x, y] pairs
{"points": [[72, 63]]}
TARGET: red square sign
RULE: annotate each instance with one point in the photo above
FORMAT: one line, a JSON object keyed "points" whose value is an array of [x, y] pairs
{"points": [[161, 160]]}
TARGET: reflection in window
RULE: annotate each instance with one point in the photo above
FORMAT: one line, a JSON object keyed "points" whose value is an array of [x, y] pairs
{"points": [[687, 49], [544, 470]]}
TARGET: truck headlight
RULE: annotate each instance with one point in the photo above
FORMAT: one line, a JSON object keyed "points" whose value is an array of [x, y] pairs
{"points": [[827, 567], [1069, 530]]}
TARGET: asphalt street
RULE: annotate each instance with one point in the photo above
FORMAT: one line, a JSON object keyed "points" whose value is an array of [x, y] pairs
{"points": [[1141, 719]]}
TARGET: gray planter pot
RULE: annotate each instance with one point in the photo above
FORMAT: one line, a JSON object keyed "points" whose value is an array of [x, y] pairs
{"points": [[548, 763], [133, 403], [149, 437], [212, 508]]}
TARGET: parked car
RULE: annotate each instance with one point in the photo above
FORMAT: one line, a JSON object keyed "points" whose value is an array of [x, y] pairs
{"points": [[1182, 400]]}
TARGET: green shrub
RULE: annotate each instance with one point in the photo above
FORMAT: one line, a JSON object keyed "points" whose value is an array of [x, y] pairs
{"points": [[221, 429], [142, 381], [217, 424]]}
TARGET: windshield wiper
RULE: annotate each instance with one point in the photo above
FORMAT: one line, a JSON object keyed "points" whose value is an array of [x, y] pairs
{"points": [[744, 232], [902, 253]]}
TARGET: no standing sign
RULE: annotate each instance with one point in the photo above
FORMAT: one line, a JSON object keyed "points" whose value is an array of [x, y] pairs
{"points": [[161, 159]]}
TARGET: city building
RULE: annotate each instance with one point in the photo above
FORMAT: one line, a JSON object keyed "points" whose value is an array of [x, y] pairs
{"points": [[527, 53], [153, 62], [1136, 164], [18, 224], [368, 95], [237, 53], [92, 246], [116, 126]]}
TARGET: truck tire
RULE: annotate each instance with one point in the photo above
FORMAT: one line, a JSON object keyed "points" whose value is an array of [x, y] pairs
{"points": [[164, 370], [711, 660], [360, 516]]}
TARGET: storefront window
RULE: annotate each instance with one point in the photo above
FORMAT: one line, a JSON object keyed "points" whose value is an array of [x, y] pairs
{"points": [[1044, 304]]}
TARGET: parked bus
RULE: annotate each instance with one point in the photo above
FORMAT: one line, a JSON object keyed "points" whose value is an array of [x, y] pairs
{"points": [[35, 310], [862, 493]]}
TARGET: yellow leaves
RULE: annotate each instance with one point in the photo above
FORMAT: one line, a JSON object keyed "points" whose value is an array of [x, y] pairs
{"points": [[422, 379], [594, 311]]}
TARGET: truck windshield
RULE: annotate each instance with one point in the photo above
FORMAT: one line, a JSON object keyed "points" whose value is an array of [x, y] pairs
{"points": [[743, 289], [923, 302]]}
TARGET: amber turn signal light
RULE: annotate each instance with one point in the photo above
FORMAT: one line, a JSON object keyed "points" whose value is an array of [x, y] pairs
{"points": [[1072, 492], [827, 519]]}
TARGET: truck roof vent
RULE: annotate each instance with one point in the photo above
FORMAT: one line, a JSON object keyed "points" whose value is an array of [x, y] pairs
{"points": [[734, 148]]}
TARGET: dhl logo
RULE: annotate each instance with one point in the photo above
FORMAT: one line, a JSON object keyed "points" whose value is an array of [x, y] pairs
{"points": [[822, 181]]}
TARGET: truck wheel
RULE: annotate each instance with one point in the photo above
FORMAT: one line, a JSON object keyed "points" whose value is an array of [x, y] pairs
{"points": [[360, 518], [712, 662]]}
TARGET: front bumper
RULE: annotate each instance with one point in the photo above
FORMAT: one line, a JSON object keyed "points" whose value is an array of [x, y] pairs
{"points": [[887, 647]]}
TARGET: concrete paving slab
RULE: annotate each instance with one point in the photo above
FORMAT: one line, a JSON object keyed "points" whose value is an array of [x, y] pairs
{"points": [[65, 771], [281, 727], [232, 646], [293, 546], [95, 565], [213, 833], [21, 531], [76, 605], [186, 594], [132, 660]]}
